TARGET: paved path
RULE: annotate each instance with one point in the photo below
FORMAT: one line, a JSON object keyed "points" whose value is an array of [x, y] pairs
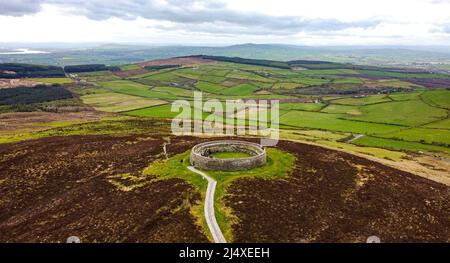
{"points": [[355, 137], [209, 207], [165, 150]]}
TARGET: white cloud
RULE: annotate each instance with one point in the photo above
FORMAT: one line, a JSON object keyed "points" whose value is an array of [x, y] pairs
{"points": [[234, 21]]}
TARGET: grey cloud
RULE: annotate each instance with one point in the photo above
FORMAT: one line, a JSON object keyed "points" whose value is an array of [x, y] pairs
{"points": [[19, 7], [199, 16], [267, 28], [441, 28], [446, 29]]}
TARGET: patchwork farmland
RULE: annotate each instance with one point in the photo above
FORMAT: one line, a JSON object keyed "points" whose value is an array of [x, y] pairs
{"points": [[349, 134]]}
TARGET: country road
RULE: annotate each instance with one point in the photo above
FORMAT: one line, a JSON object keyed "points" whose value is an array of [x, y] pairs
{"points": [[209, 207]]}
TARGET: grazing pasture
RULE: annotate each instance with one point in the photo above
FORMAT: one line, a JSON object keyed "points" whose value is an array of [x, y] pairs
{"points": [[363, 100], [437, 98], [333, 122], [301, 106], [107, 136], [242, 89], [115, 102], [369, 141], [347, 96], [339, 109], [407, 113], [439, 137]]}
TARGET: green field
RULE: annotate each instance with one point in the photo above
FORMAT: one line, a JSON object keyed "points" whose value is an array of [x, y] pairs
{"points": [[243, 89], [115, 102], [210, 87], [396, 84], [279, 165], [378, 115], [212, 79], [129, 67], [230, 155], [437, 98], [333, 122], [348, 81], [429, 136], [163, 111], [400, 96], [362, 101], [399, 145], [347, 109], [301, 106], [443, 124], [174, 91], [53, 80], [407, 113], [136, 89], [408, 117], [287, 85]]}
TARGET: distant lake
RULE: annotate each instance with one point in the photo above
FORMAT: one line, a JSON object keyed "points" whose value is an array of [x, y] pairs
{"points": [[23, 51]]}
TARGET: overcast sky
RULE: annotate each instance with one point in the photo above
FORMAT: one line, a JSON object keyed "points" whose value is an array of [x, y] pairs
{"points": [[303, 22]]}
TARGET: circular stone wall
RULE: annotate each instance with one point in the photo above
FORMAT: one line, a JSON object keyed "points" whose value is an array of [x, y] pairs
{"points": [[201, 156]]}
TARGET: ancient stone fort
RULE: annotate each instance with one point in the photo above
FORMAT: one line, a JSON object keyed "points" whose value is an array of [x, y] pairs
{"points": [[201, 155]]}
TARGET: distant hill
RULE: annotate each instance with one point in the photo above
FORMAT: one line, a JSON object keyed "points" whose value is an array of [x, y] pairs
{"points": [[435, 58]]}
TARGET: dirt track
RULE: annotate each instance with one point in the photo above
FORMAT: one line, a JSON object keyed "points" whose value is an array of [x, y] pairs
{"points": [[57, 187]]}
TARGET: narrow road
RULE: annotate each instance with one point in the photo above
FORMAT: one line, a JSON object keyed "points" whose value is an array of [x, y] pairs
{"points": [[165, 151], [209, 207], [355, 137]]}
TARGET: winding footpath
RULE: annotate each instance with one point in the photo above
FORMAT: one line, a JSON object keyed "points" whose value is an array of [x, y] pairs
{"points": [[209, 207]]}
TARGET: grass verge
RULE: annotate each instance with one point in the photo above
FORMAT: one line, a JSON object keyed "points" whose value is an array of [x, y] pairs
{"points": [[279, 165]]}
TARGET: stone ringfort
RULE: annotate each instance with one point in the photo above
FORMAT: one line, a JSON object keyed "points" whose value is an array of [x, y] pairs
{"points": [[201, 155]]}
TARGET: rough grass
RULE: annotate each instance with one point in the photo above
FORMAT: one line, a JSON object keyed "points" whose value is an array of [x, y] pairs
{"points": [[279, 165], [162, 111], [301, 106], [362, 101], [288, 86], [400, 96], [408, 113], [53, 80], [129, 67], [175, 91], [115, 102], [248, 76], [346, 109], [399, 145], [443, 124], [243, 89], [212, 78], [431, 136], [230, 155], [112, 126], [136, 89], [210, 87], [324, 121], [348, 81], [437, 98]]}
